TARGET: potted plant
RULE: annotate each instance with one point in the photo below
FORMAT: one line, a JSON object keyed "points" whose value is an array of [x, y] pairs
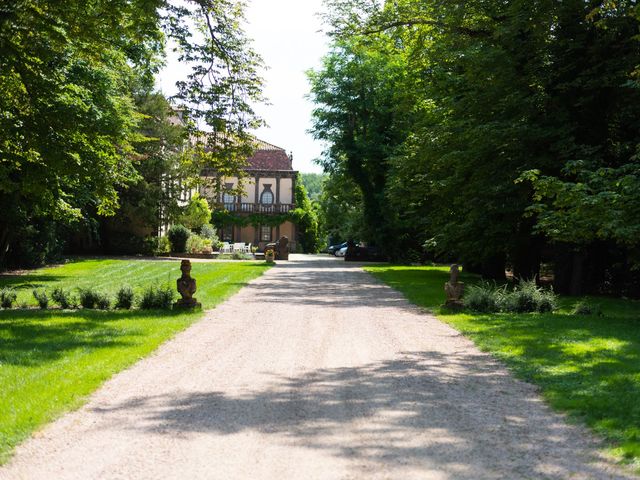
{"points": [[269, 255]]}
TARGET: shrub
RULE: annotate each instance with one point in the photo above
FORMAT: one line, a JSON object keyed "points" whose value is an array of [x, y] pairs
{"points": [[195, 244], [178, 236], [163, 246], [8, 296], [88, 297], [241, 256], [62, 297], [528, 297], [157, 298], [197, 212], [103, 302], [124, 298], [208, 231], [483, 298], [42, 298], [585, 308], [525, 297]]}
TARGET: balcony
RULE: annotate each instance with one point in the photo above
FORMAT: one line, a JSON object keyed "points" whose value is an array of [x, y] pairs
{"points": [[274, 208]]}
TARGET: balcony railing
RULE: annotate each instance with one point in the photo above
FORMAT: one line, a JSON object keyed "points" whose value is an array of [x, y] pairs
{"points": [[273, 208]]}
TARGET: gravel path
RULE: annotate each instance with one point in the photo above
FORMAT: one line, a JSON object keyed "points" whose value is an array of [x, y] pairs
{"points": [[313, 371]]}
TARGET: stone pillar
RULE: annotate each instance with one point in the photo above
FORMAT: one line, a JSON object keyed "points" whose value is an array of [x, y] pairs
{"points": [[256, 200]]}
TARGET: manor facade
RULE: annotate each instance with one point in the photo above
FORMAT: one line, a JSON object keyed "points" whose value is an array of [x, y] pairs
{"points": [[268, 195]]}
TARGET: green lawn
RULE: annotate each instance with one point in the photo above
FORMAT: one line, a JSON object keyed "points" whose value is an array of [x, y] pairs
{"points": [[51, 360], [587, 366]]}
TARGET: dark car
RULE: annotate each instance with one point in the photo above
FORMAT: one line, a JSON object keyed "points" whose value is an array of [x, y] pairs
{"points": [[334, 248], [365, 254]]}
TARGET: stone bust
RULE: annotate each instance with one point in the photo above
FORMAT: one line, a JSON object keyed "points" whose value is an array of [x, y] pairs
{"points": [[186, 286], [453, 288]]}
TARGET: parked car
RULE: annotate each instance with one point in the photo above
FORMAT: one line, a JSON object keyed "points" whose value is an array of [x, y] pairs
{"points": [[333, 249], [365, 254], [342, 252]]}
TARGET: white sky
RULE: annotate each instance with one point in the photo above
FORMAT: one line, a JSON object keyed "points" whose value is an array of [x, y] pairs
{"points": [[287, 35]]}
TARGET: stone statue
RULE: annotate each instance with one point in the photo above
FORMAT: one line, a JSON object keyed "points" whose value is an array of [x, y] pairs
{"points": [[453, 288], [282, 248], [186, 287]]}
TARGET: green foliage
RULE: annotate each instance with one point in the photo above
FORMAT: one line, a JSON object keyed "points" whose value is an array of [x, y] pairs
{"points": [[528, 297], [313, 184], [8, 297], [42, 298], [224, 217], [90, 298], [584, 307], [360, 110], [178, 236], [75, 76], [156, 298], [306, 219], [197, 244], [501, 131], [62, 297], [162, 170], [483, 297], [197, 213], [208, 231], [341, 211], [125, 297], [103, 302], [525, 297], [163, 246]]}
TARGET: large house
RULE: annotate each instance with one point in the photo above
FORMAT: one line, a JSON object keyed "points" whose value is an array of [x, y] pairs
{"points": [[268, 190]]}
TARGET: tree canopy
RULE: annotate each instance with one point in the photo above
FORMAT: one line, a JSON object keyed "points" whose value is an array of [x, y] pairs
{"points": [[69, 122], [492, 133]]}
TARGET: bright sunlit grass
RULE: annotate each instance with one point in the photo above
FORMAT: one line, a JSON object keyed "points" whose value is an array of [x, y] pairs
{"points": [[51, 360], [586, 365]]}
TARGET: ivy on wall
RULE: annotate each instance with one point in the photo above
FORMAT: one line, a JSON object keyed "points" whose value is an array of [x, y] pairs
{"points": [[223, 217]]}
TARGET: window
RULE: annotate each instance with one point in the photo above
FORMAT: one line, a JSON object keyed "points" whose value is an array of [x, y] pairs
{"points": [[265, 233], [226, 196], [267, 196], [228, 200]]}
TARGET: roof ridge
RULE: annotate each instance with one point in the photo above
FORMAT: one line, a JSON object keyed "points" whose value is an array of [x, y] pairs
{"points": [[262, 145]]}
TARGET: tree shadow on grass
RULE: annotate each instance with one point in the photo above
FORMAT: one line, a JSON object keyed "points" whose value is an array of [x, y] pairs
{"points": [[29, 281], [587, 366], [423, 410], [34, 337]]}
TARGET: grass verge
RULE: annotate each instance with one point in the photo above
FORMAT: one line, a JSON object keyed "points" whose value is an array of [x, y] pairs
{"points": [[586, 365], [51, 360]]}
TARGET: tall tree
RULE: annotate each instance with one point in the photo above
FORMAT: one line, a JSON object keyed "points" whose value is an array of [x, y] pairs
{"points": [[67, 116], [357, 115]]}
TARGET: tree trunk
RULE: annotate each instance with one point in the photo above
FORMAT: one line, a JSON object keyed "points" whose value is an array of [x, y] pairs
{"points": [[577, 273], [526, 260], [493, 268], [4, 246]]}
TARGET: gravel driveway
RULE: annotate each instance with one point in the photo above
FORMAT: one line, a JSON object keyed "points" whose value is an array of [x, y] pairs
{"points": [[313, 371]]}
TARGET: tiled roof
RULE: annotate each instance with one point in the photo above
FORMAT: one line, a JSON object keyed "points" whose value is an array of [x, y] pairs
{"points": [[269, 157]]}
